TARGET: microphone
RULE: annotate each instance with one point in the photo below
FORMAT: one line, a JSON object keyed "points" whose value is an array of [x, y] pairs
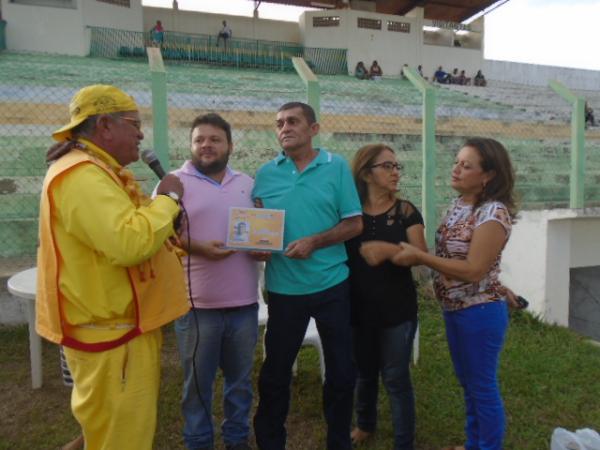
{"points": [[150, 158]]}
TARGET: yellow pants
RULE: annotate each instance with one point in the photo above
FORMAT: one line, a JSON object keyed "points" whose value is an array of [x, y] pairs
{"points": [[115, 393]]}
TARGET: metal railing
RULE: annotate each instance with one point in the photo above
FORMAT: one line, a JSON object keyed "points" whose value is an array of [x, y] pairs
{"points": [[207, 49]]}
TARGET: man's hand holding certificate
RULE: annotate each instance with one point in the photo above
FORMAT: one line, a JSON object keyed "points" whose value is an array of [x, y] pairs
{"points": [[255, 229]]}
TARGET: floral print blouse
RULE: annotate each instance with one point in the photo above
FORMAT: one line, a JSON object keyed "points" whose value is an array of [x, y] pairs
{"points": [[453, 239]]}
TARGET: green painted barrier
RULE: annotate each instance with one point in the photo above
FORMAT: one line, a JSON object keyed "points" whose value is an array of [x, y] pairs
{"points": [[577, 194], [160, 114], [313, 96], [428, 146], [2, 34]]}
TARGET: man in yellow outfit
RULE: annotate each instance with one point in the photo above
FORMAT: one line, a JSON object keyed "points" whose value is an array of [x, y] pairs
{"points": [[107, 277]]}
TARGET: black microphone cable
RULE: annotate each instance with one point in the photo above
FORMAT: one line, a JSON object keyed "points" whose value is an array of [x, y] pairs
{"points": [[150, 158], [197, 325]]}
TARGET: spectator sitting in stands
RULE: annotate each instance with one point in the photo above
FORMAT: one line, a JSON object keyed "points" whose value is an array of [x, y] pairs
{"points": [[454, 76], [224, 34], [589, 115], [402, 74], [361, 71], [479, 79], [375, 72], [157, 33], [441, 77], [463, 79]]}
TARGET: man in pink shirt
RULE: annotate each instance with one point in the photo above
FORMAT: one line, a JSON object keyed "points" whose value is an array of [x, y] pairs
{"points": [[221, 329]]}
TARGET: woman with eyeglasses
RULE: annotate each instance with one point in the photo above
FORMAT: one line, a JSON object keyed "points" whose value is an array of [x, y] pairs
{"points": [[469, 245], [384, 298]]}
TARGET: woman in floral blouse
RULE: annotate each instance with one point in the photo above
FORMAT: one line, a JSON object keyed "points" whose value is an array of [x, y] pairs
{"points": [[469, 245]]}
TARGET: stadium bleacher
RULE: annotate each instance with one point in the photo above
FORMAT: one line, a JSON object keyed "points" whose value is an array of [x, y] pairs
{"points": [[538, 103], [35, 90]]}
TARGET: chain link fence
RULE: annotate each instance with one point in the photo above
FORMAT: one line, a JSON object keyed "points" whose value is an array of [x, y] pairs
{"points": [[247, 99], [35, 91], [355, 113], [539, 150], [534, 124]]}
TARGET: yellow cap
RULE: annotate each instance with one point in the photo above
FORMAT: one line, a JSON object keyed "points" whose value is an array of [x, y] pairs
{"points": [[93, 100]]}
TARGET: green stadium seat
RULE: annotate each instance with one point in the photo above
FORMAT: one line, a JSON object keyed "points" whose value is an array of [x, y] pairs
{"points": [[124, 51]]}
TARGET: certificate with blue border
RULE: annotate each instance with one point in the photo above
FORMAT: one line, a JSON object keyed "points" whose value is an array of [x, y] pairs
{"points": [[255, 229]]}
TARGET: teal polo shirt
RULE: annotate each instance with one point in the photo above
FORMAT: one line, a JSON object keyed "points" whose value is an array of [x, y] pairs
{"points": [[314, 201]]}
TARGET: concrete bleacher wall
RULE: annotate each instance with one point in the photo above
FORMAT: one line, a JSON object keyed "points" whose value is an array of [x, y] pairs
{"points": [[539, 75], [364, 44], [31, 27], [206, 23], [544, 248], [391, 49], [64, 30]]}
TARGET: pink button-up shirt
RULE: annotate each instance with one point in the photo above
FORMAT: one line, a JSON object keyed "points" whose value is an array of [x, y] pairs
{"points": [[232, 281]]}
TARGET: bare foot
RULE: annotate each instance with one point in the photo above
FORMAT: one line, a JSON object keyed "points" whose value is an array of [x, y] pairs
{"points": [[75, 444], [359, 436]]}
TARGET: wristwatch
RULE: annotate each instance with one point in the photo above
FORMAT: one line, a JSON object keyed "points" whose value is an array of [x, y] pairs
{"points": [[173, 195]]}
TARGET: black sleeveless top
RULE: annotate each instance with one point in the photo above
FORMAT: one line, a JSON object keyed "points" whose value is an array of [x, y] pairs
{"points": [[384, 295]]}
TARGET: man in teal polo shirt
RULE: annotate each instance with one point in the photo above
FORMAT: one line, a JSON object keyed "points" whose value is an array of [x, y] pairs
{"points": [[309, 279]]}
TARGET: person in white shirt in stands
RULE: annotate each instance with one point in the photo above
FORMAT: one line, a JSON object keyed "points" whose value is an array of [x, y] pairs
{"points": [[224, 34]]}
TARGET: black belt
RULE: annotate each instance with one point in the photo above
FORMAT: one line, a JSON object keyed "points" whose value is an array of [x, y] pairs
{"points": [[227, 310]]}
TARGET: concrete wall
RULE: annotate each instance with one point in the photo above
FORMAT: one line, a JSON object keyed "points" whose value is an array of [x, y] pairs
{"points": [[63, 30], [43, 29], [537, 75], [390, 49], [584, 307], [543, 248], [205, 23], [524, 259], [100, 14]]}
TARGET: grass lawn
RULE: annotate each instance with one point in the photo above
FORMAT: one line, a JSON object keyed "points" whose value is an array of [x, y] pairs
{"points": [[549, 378]]}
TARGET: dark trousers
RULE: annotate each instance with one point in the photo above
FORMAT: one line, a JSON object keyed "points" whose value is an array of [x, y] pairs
{"points": [[288, 318], [386, 351]]}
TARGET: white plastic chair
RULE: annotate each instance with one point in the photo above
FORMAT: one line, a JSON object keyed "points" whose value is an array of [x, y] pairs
{"points": [[263, 312], [415, 355], [311, 336]]}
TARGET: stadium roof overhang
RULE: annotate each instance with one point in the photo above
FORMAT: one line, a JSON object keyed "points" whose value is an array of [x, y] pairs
{"points": [[447, 10]]}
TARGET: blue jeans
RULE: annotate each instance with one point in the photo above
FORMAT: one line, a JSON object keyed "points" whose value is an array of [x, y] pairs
{"points": [[288, 318], [223, 338], [475, 339], [386, 350]]}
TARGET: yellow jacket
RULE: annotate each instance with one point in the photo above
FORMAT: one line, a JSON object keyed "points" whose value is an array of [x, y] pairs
{"points": [[105, 274]]}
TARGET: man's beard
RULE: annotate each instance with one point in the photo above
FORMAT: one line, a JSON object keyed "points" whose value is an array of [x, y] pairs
{"points": [[214, 167]]}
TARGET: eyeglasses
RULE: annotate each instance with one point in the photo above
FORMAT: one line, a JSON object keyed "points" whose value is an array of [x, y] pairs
{"points": [[388, 166], [135, 122]]}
